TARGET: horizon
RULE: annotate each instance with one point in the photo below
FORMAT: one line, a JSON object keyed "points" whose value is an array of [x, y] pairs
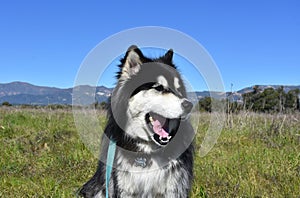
{"points": [[252, 43], [250, 86]]}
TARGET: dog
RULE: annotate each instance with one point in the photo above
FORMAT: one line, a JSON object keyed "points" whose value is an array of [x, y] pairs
{"points": [[148, 121]]}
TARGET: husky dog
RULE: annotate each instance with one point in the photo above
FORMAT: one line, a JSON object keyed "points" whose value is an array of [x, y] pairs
{"points": [[148, 121]]}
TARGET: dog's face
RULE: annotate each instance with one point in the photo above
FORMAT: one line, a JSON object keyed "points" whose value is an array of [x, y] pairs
{"points": [[156, 96]]}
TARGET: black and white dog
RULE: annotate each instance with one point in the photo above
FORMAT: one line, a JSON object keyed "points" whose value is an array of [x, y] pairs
{"points": [[148, 121]]}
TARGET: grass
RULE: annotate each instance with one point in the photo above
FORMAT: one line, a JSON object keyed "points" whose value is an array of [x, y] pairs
{"points": [[257, 155]]}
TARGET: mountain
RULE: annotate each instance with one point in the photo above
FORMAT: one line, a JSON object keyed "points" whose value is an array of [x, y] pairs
{"points": [[286, 88], [16, 88], [25, 93], [237, 96]]}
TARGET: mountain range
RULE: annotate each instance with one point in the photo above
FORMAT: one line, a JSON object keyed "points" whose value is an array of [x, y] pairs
{"points": [[25, 93]]}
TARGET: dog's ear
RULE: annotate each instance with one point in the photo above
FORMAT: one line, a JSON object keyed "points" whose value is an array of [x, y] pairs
{"points": [[169, 55], [131, 62]]}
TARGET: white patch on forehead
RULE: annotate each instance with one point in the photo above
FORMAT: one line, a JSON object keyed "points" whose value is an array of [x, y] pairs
{"points": [[176, 83], [162, 80]]}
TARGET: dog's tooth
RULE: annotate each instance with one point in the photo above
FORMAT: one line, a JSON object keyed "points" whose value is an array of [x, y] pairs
{"points": [[169, 137], [151, 119], [165, 141], [160, 137]]}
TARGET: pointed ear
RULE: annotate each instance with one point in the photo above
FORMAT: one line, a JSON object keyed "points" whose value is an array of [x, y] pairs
{"points": [[131, 62], [169, 55]]}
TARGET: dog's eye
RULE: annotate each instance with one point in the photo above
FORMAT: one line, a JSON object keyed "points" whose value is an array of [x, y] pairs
{"points": [[162, 89], [159, 88], [167, 90]]}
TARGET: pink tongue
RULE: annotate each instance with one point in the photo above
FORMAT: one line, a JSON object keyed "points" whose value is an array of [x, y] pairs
{"points": [[157, 128]]}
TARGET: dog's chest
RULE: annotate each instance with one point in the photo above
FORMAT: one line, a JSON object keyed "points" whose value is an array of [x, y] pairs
{"points": [[142, 178]]}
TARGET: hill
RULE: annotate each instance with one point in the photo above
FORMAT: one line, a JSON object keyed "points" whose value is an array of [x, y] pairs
{"points": [[25, 93]]}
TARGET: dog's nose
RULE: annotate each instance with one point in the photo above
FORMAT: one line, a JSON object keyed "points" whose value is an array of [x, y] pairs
{"points": [[187, 106]]}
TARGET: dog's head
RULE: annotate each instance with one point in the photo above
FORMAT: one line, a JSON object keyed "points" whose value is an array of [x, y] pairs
{"points": [[152, 95]]}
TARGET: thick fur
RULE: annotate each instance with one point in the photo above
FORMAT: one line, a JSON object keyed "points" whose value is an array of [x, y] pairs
{"points": [[141, 89]]}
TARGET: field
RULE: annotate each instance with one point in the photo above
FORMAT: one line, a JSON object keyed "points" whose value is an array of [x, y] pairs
{"points": [[257, 155]]}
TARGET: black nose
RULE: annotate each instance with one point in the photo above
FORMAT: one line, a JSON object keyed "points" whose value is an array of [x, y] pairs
{"points": [[187, 106]]}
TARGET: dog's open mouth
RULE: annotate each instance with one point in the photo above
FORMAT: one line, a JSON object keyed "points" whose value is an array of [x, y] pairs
{"points": [[164, 129]]}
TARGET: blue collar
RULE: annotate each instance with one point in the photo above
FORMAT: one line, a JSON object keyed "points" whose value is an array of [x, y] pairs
{"points": [[109, 164]]}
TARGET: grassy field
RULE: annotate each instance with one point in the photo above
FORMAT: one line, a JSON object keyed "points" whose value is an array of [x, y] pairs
{"points": [[257, 155]]}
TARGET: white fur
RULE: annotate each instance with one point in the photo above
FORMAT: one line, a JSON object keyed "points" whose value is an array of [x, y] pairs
{"points": [[162, 80], [149, 179], [167, 105], [99, 195], [176, 83], [146, 148], [132, 66]]}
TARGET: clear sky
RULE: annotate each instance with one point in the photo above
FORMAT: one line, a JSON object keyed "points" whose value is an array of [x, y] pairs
{"points": [[251, 41]]}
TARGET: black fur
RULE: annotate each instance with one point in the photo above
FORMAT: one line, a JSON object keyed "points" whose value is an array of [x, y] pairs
{"points": [[166, 59]]}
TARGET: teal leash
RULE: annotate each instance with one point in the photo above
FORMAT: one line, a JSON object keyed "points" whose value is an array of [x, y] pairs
{"points": [[109, 164]]}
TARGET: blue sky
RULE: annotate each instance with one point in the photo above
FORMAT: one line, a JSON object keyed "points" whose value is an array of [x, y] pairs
{"points": [[252, 42]]}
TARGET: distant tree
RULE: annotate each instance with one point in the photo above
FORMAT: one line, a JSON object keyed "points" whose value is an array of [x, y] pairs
{"points": [[235, 107], [251, 99], [58, 106], [262, 101], [205, 104], [270, 100], [103, 105], [282, 98], [96, 104], [256, 89], [292, 100], [6, 104]]}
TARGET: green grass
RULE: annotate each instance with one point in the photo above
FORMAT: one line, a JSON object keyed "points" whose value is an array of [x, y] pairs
{"points": [[257, 155]]}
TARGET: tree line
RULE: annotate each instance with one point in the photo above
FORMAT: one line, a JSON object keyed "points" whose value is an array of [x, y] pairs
{"points": [[269, 100]]}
